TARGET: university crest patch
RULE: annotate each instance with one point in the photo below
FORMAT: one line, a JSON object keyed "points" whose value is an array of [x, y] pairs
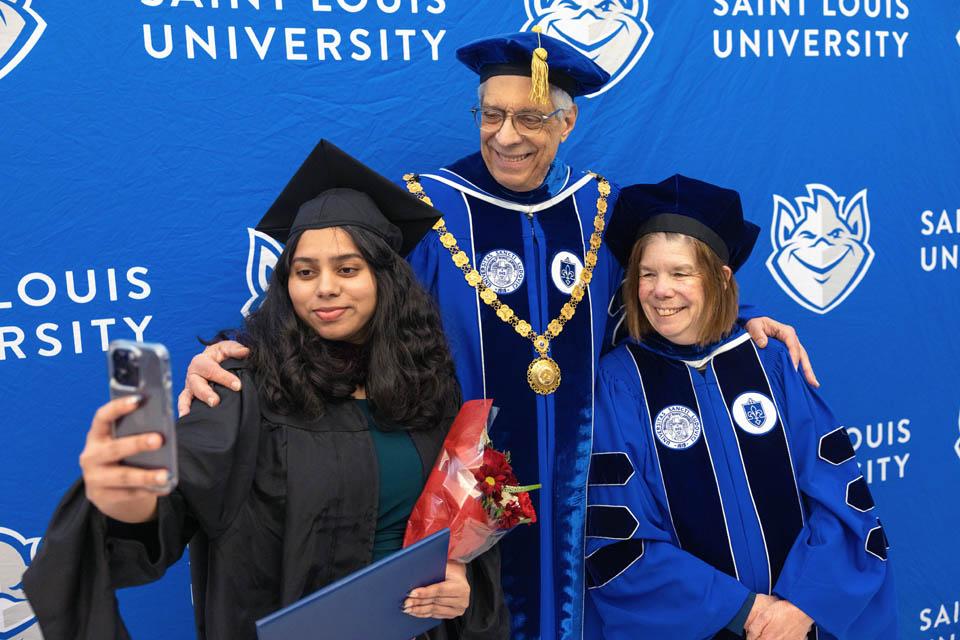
{"points": [[677, 427], [502, 271]]}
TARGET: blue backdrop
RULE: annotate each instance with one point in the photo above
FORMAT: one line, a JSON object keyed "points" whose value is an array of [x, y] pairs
{"points": [[141, 139]]}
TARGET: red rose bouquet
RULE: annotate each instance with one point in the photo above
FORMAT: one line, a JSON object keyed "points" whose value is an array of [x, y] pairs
{"points": [[472, 490]]}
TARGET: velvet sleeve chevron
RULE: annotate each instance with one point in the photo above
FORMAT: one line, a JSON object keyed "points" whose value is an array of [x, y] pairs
{"points": [[640, 584], [837, 570]]}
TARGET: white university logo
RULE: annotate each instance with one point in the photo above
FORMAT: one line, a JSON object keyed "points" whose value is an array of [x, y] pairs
{"points": [[20, 28], [261, 260], [821, 247], [956, 446], [612, 33], [17, 620]]}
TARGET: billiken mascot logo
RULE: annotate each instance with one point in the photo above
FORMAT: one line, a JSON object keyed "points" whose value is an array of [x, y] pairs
{"points": [[820, 248], [262, 259], [956, 446], [20, 28], [17, 621], [612, 33]]}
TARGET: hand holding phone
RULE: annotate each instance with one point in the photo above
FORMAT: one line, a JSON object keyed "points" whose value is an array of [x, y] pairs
{"points": [[120, 491], [130, 454]]}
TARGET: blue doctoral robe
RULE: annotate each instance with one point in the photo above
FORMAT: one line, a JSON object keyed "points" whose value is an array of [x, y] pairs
{"points": [[718, 472], [530, 248]]}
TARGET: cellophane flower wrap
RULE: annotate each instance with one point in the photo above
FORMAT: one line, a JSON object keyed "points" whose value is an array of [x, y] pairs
{"points": [[472, 489]]}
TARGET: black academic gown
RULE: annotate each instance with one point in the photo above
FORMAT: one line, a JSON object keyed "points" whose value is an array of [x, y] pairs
{"points": [[274, 507]]}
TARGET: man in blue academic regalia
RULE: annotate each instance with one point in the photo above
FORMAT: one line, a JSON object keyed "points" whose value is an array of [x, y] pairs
{"points": [[524, 282]]}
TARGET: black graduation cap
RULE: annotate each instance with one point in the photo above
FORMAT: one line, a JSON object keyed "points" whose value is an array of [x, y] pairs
{"points": [[679, 204], [333, 189], [512, 54]]}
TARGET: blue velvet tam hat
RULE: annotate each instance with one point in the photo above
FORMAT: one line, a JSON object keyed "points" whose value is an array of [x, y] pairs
{"points": [[679, 204], [518, 54]]}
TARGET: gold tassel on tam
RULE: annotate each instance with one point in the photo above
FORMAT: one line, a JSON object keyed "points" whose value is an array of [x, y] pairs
{"points": [[539, 73]]}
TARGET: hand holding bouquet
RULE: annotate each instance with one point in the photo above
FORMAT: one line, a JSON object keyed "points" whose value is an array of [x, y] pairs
{"points": [[472, 490]]}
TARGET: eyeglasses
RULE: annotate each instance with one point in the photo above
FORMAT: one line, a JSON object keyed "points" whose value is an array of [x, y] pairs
{"points": [[525, 122]]}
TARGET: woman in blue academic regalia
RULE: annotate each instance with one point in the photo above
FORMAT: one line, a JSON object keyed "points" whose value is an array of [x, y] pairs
{"points": [[725, 499]]}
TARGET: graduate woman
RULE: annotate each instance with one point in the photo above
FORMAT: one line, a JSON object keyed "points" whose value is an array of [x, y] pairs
{"points": [[307, 474], [725, 498]]}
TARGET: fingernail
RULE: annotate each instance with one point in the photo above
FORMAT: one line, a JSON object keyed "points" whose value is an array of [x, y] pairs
{"points": [[134, 399], [163, 477], [235, 386], [154, 441], [211, 401]]}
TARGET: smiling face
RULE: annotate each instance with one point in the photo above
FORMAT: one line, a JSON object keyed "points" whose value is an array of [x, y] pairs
{"points": [[520, 162], [672, 278], [671, 289], [331, 286]]}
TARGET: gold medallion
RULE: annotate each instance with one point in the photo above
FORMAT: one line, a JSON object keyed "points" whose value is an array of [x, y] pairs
{"points": [[543, 375]]}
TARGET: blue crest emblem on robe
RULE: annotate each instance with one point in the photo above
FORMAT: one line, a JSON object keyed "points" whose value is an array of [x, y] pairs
{"points": [[612, 33], [821, 247], [17, 619], [262, 258], [20, 28], [754, 412], [565, 268], [568, 272]]}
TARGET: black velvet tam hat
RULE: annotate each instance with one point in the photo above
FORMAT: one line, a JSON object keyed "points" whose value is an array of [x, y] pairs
{"points": [[333, 189], [679, 204], [512, 54]]}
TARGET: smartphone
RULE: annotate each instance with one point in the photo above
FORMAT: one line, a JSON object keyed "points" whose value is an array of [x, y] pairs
{"points": [[143, 368]]}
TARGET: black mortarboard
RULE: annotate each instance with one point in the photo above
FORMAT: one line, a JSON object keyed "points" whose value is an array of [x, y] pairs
{"points": [[511, 55], [679, 204], [333, 189]]}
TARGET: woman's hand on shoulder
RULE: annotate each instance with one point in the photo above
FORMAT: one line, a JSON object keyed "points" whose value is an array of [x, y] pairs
{"points": [[205, 368], [121, 492], [447, 599]]}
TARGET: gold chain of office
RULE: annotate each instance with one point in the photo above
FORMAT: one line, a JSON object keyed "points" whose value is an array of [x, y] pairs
{"points": [[543, 374]]}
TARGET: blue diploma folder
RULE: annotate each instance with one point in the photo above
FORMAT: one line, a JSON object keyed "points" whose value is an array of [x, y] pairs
{"points": [[366, 605]]}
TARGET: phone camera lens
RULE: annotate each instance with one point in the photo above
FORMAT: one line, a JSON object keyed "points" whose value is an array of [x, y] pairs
{"points": [[125, 369]]}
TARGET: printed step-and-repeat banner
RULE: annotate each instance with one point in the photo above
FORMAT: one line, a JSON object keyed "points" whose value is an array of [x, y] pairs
{"points": [[140, 140]]}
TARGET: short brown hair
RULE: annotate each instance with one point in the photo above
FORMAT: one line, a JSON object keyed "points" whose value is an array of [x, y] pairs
{"points": [[720, 295]]}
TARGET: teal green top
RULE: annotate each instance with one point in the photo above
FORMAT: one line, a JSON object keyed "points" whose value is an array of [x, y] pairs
{"points": [[401, 481]]}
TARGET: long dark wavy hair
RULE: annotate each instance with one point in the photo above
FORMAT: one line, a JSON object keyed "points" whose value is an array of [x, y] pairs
{"points": [[405, 364]]}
